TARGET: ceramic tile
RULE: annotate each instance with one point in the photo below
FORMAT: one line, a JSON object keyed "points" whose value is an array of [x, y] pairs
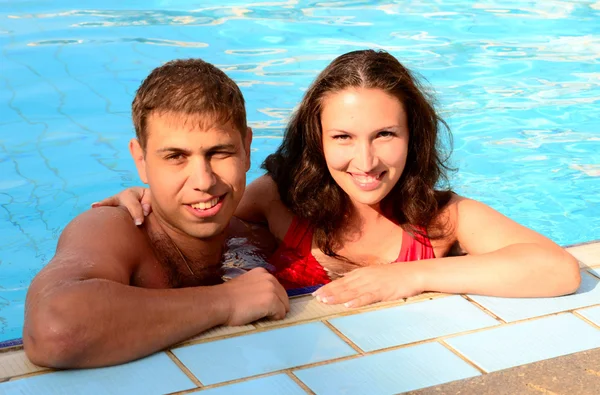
{"points": [[157, 374], [592, 314], [412, 322], [526, 342], [15, 363], [587, 254], [514, 309], [279, 384], [263, 352], [305, 308], [221, 331], [388, 372]]}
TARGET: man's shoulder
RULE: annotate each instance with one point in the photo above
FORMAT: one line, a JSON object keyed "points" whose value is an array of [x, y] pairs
{"points": [[110, 227]]}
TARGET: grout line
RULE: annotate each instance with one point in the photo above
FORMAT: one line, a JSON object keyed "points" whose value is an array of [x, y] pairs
{"points": [[344, 337], [461, 356], [585, 243], [578, 315], [300, 383], [481, 307], [185, 392], [192, 341], [230, 382], [11, 349], [184, 368], [31, 374], [588, 271]]}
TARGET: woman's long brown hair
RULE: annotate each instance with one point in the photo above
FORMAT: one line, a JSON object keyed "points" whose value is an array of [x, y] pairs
{"points": [[299, 169]]}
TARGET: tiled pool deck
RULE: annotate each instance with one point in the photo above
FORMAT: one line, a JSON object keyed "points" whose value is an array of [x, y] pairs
{"points": [[423, 342]]}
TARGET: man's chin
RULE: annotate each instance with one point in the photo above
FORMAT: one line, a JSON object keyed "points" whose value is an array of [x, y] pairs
{"points": [[207, 232]]}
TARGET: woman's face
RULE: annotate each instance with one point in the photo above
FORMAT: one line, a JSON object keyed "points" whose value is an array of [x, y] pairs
{"points": [[365, 142]]}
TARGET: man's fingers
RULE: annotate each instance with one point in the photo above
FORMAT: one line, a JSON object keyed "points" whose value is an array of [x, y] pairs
{"points": [[282, 295]]}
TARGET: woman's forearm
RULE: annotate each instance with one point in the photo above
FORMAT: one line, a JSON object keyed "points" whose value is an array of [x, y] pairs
{"points": [[519, 270]]}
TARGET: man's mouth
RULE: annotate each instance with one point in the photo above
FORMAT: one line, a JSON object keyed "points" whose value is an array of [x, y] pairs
{"points": [[208, 208], [206, 205]]}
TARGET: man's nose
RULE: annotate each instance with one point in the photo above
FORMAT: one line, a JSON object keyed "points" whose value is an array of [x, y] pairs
{"points": [[202, 177]]}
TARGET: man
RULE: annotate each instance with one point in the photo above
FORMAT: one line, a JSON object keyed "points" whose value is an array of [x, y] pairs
{"points": [[115, 292]]}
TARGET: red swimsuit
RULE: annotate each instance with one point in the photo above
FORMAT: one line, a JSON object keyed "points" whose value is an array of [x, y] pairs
{"points": [[296, 267]]}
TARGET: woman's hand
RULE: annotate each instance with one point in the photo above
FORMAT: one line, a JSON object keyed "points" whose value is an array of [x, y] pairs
{"points": [[374, 284], [135, 199]]}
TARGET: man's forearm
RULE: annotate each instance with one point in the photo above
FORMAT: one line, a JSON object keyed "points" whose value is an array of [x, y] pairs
{"points": [[98, 322]]}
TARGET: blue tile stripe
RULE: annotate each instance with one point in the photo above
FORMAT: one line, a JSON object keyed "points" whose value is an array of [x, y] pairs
{"points": [[279, 384], [525, 342], [516, 309], [263, 352], [388, 372], [157, 374], [11, 343], [412, 322]]}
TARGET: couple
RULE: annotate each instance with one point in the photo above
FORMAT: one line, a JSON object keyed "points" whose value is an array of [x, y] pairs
{"points": [[350, 197]]}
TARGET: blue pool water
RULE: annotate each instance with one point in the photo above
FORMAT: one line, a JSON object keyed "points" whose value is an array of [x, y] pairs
{"points": [[518, 82]]}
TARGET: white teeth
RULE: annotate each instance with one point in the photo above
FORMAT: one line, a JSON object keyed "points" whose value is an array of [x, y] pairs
{"points": [[206, 205], [365, 179]]}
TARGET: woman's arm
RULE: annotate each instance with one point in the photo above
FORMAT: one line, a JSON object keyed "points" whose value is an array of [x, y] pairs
{"points": [[261, 204], [504, 258]]}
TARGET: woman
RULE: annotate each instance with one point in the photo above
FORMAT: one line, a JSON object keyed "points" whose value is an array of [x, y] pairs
{"points": [[353, 187]]}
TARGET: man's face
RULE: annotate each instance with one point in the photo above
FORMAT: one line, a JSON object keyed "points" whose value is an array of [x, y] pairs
{"points": [[196, 170]]}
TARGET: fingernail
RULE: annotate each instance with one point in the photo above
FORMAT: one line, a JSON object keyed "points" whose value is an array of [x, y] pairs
{"points": [[95, 204], [348, 304], [324, 300], [138, 222], [146, 209]]}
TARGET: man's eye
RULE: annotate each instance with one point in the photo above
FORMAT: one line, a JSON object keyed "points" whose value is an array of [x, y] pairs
{"points": [[221, 154], [174, 157]]}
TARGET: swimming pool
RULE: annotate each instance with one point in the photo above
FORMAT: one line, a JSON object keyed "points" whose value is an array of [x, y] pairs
{"points": [[518, 82]]}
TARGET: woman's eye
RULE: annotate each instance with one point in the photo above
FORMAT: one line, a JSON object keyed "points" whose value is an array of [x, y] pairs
{"points": [[386, 133], [341, 137]]}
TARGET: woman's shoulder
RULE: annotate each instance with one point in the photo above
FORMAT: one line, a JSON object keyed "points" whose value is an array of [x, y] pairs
{"points": [[443, 227]]}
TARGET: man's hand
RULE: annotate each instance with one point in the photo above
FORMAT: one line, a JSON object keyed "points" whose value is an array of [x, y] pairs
{"points": [[374, 284], [255, 295], [135, 199]]}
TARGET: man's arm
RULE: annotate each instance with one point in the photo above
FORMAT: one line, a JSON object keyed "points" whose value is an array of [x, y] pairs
{"points": [[82, 312]]}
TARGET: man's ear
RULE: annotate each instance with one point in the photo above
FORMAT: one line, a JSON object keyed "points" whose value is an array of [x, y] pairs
{"points": [[139, 157], [247, 145]]}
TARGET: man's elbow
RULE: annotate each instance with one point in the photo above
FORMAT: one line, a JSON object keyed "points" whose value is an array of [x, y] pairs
{"points": [[53, 343], [572, 274]]}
